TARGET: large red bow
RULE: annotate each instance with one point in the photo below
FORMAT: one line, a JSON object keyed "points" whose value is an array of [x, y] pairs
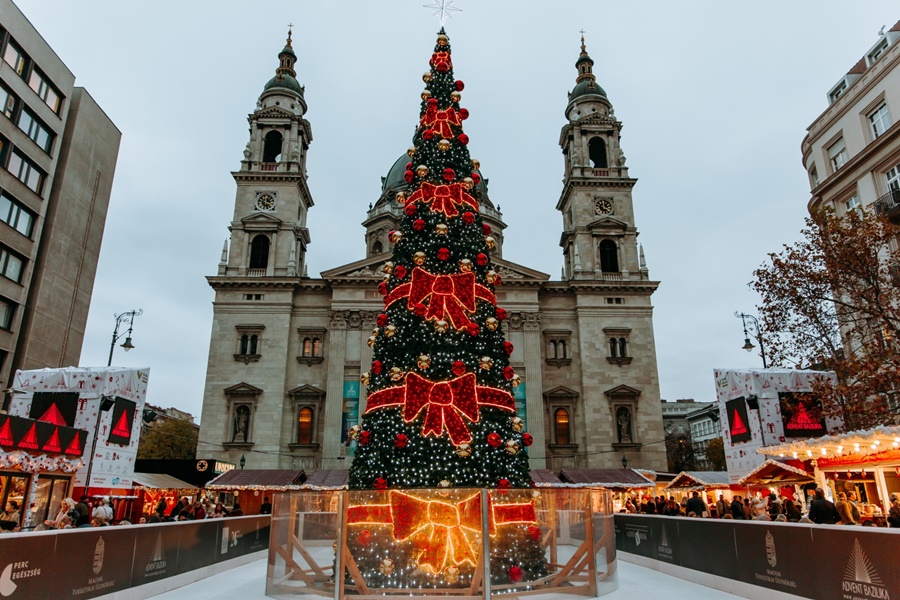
{"points": [[443, 198], [440, 120], [446, 403], [450, 295], [441, 527]]}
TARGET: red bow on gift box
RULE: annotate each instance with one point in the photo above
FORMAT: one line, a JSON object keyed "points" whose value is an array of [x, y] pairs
{"points": [[445, 403], [450, 295], [443, 198]]}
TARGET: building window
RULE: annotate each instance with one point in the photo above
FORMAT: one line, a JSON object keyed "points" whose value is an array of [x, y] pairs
{"points": [[838, 91], [10, 265], [880, 120], [561, 421], [14, 57], [609, 257], [45, 90], [7, 309], [814, 177], [7, 102], [37, 131], [249, 343], [311, 345], [878, 51], [272, 147], [305, 426], [26, 172], [259, 252], [15, 215], [558, 346], [837, 154], [597, 153], [377, 248], [853, 206], [893, 179], [617, 341]]}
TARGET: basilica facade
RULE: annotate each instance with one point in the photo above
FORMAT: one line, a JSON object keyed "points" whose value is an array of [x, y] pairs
{"points": [[287, 350]]}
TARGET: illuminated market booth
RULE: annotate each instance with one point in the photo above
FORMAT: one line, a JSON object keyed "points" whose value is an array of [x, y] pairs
{"points": [[619, 481], [250, 487], [150, 488], [865, 462]]}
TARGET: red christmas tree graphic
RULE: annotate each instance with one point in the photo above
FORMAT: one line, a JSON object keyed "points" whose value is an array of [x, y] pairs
{"points": [[52, 415], [6, 438], [74, 447], [52, 444], [29, 440], [737, 424], [122, 429], [803, 420]]}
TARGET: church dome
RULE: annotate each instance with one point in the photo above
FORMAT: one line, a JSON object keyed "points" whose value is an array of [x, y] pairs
{"points": [[394, 180], [587, 87], [284, 80]]}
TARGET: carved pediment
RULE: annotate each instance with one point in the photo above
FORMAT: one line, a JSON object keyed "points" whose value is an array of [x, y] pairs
{"points": [[364, 270], [273, 112], [560, 393], [510, 271], [307, 391], [608, 223], [243, 389], [622, 391], [258, 219]]}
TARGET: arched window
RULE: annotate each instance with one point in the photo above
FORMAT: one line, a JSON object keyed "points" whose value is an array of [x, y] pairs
{"points": [[307, 347], [597, 151], [377, 248], [613, 347], [259, 252], [272, 148], [609, 257], [561, 419], [304, 426], [623, 349], [561, 347], [317, 347], [244, 341], [254, 340], [552, 349]]}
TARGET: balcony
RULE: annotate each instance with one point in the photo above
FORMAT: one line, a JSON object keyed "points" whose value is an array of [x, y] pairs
{"points": [[256, 272], [608, 276], [889, 205]]}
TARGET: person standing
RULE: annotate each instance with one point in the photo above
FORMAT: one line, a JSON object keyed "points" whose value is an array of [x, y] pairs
{"points": [[844, 510], [266, 507], [822, 511], [894, 513], [11, 514], [721, 506], [854, 506], [103, 511], [696, 505], [737, 508]]}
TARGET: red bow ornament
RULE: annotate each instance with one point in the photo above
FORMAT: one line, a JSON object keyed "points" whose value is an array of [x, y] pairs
{"points": [[440, 120], [449, 296], [443, 198]]}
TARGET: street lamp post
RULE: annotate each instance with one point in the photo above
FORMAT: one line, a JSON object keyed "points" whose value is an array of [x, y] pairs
{"points": [[116, 336], [755, 332]]}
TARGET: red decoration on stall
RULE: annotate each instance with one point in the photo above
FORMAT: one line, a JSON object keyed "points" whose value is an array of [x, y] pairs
{"points": [[29, 440], [52, 444], [445, 403], [6, 438], [74, 448], [449, 296], [443, 198], [494, 440], [52, 415], [439, 121]]}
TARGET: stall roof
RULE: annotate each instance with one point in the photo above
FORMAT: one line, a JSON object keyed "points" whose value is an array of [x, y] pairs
{"points": [[616, 479], [853, 443], [161, 481], [773, 471], [327, 479], [545, 478], [278, 480], [700, 479]]}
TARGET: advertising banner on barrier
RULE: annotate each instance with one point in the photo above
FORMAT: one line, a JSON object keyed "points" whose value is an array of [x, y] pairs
{"points": [[653, 538], [696, 539], [92, 562], [777, 556], [155, 553], [197, 544], [27, 567], [856, 564]]}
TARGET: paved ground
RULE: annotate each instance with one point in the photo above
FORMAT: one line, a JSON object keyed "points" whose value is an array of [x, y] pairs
{"points": [[248, 583]]}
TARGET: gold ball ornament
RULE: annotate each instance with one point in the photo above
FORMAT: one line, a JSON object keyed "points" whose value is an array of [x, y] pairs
{"points": [[443, 40], [492, 323], [486, 362], [354, 432], [390, 331], [516, 381], [388, 267], [375, 332], [395, 237], [385, 277], [426, 94], [371, 341], [490, 242], [365, 378], [512, 446], [451, 574], [444, 483], [426, 76], [491, 276], [465, 265], [401, 198], [444, 145], [421, 170], [518, 424], [468, 183], [441, 326], [424, 361], [410, 151], [476, 164], [441, 229], [455, 96], [386, 567], [419, 258], [463, 450], [396, 373]]}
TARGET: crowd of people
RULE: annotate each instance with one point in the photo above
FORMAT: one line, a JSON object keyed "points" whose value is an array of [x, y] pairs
{"points": [[763, 508]]}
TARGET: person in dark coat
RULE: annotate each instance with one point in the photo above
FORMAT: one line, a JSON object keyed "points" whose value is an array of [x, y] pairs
{"points": [[737, 508], [822, 510], [266, 507], [696, 505], [176, 510]]}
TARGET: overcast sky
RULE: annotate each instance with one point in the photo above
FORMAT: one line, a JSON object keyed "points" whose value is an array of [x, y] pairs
{"points": [[715, 98]]}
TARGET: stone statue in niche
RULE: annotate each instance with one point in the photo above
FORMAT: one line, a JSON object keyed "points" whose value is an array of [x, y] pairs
{"points": [[247, 151], [623, 419], [241, 422]]}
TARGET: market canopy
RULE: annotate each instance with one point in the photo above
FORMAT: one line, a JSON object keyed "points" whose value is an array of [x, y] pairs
{"points": [[612, 479], [327, 479], [545, 478], [276, 480], [700, 479], [773, 472], [161, 481], [840, 445]]}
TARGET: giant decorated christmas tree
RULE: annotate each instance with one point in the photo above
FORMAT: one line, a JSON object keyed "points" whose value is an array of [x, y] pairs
{"points": [[440, 411]]}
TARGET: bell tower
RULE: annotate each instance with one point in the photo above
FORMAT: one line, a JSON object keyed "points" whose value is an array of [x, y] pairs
{"points": [[599, 237], [269, 236]]}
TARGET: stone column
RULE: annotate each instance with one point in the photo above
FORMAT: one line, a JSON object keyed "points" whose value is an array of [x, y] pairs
{"points": [[365, 354], [534, 397], [334, 391]]}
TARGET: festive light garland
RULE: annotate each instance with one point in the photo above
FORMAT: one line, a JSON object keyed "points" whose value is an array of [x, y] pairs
{"points": [[30, 463]]}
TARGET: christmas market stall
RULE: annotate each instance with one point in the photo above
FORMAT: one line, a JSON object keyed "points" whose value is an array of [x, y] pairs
{"points": [[865, 463], [620, 481], [711, 484], [250, 487], [782, 479], [150, 488]]}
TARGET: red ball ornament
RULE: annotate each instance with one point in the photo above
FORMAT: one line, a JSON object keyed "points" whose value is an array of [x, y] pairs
{"points": [[533, 532], [473, 329], [468, 218], [481, 259], [419, 309], [376, 366], [401, 441], [427, 134], [380, 483], [443, 253], [476, 178], [494, 440], [410, 209], [449, 174], [463, 113], [502, 315], [399, 271], [382, 288], [509, 372], [364, 537], [419, 224], [409, 166], [432, 102], [381, 320], [463, 139], [408, 176], [504, 484], [508, 348], [515, 574], [497, 280], [486, 229], [364, 437], [460, 86], [459, 367], [527, 439], [442, 66]]}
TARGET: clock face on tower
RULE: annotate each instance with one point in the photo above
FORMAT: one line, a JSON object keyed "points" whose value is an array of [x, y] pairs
{"points": [[265, 202], [603, 206]]}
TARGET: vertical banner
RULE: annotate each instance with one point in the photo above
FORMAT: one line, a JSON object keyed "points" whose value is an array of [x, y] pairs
{"points": [[123, 413], [350, 414], [801, 416], [738, 424], [519, 398]]}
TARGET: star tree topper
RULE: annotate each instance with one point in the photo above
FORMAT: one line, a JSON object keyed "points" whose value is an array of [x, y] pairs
{"points": [[443, 9]]}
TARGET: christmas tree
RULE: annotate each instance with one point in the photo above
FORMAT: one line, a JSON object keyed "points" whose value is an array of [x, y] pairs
{"points": [[440, 410]]}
